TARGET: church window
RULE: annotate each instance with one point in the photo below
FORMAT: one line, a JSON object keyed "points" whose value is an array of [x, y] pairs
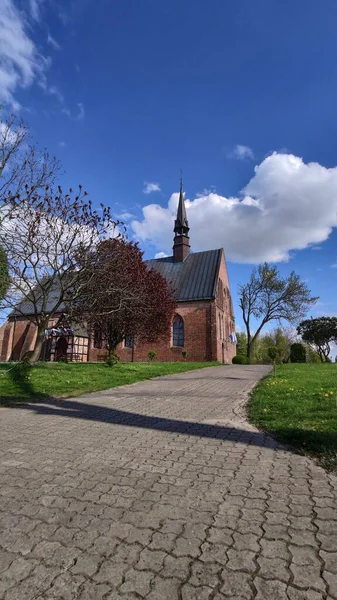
{"points": [[220, 327], [128, 342], [178, 331]]}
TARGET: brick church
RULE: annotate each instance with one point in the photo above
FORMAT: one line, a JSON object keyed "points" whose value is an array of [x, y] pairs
{"points": [[202, 325]]}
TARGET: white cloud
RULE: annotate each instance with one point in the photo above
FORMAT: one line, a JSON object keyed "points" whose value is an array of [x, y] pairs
{"points": [[316, 247], [34, 6], [241, 152], [81, 112], [160, 255], [62, 144], [287, 205], [52, 42], [21, 63], [334, 266], [125, 216], [151, 187]]}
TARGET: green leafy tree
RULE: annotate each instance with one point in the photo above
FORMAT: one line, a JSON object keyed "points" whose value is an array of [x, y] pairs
{"points": [[320, 333], [241, 346], [298, 353], [269, 297]]}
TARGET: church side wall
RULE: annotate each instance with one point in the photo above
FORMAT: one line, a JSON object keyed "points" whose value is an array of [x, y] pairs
{"points": [[17, 338], [197, 338], [223, 323]]}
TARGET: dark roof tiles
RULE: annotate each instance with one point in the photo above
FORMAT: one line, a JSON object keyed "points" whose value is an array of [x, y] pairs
{"points": [[193, 279]]}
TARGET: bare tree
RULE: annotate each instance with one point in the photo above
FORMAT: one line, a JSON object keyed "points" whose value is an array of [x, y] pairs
{"points": [[47, 242], [24, 169], [268, 297]]}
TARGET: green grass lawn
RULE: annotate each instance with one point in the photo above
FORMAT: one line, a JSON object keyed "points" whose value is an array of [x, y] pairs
{"points": [[299, 406], [64, 380]]}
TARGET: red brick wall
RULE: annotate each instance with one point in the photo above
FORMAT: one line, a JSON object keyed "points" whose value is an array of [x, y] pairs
{"points": [[197, 338], [206, 338], [222, 347], [24, 333]]}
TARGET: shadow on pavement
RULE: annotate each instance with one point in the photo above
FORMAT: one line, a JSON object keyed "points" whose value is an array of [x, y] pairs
{"points": [[90, 412]]}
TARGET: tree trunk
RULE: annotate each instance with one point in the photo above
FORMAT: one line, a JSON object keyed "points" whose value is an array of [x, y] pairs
{"points": [[35, 356], [250, 348]]}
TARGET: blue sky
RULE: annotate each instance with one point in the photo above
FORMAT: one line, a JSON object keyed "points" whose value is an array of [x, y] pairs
{"points": [[240, 95]]}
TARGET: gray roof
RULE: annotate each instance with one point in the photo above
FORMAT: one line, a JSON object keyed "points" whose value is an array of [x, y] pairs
{"points": [[27, 308], [193, 279]]}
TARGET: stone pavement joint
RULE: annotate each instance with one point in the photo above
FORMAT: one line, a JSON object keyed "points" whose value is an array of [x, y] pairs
{"points": [[161, 490]]}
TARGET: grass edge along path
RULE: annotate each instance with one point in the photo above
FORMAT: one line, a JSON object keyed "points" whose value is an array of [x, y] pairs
{"points": [[64, 380], [299, 407]]}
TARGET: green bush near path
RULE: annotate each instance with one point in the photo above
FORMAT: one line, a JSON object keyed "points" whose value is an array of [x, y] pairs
{"points": [[72, 379], [299, 406]]}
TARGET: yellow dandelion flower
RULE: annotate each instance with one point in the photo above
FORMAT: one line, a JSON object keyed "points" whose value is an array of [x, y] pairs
{"points": [[326, 395]]}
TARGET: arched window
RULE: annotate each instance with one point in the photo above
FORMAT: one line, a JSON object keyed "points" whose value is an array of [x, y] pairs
{"points": [[220, 327], [178, 331]]}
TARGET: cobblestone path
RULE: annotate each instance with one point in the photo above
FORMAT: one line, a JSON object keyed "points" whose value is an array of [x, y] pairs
{"points": [[161, 490]]}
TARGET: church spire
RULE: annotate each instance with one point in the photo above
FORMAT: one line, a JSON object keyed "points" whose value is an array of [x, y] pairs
{"points": [[181, 243]]}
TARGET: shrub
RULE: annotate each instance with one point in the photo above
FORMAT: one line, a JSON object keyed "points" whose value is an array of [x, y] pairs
{"points": [[152, 354], [239, 359], [111, 360], [184, 354], [297, 353], [272, 353]]}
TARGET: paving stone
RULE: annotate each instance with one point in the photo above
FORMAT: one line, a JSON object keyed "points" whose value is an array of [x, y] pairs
{"points": [[185, 547], [178, 567], [273, 568], [205, 574], [152, 560], [188, 592], [331, 580], [65, 586], [294, 594], [241, 560], [236, 585], [306, 576], [270, 590], [161, 490], [86, 564], [165, 589], [138, 582], [330, 561], [274, 549]]}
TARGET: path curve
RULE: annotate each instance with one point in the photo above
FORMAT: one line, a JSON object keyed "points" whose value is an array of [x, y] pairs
{"points": [[161, 490]]}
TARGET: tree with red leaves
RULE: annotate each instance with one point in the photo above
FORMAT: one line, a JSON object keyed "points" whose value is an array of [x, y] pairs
{"points": [[121, 297]]}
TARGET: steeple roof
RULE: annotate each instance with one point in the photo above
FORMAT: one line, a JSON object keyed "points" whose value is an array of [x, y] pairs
{"points": [[181, 223]]}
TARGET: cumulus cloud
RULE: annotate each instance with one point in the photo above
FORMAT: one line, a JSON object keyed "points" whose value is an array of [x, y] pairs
{"points": [[160, 255], [21, 63], [151, 187], [241, 152], [287, 205]]}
